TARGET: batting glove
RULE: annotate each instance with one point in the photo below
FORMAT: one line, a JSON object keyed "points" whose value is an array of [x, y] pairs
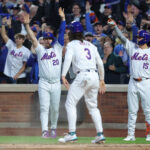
{"points": [[111, 22]]}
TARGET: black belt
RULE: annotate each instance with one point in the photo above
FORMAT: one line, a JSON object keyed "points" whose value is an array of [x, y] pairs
{"points": [[87, 70], [140, 79]]}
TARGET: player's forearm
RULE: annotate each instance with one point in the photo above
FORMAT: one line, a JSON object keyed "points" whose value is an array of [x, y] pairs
{"points": [[101, 72], [120, 35], [100, 66], [66, 66], [31, 34], [100, 69], [61, 33]]}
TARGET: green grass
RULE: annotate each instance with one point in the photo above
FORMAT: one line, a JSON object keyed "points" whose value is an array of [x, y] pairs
{"points": [[81, 140]]}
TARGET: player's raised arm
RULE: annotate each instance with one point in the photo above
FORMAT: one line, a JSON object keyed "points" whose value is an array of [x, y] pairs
{"points": [[120, 35], [62, 26], [29, 31], [3, 31]]}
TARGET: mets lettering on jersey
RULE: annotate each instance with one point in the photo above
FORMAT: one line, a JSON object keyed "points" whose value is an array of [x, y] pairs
{"points": [[52, 55], [20, 54], [137, 56], [140, 60], [49, 61]]}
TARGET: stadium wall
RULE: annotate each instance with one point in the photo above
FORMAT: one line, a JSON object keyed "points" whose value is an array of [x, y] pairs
{"points": [[19, 103]]}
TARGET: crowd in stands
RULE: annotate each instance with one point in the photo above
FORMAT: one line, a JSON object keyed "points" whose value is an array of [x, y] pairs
{"points": [[93, 15]]}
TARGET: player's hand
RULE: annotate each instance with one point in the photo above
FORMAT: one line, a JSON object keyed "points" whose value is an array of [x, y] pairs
{"points": [[102, 89], [111, 22], [61, 13], [65, 82]]}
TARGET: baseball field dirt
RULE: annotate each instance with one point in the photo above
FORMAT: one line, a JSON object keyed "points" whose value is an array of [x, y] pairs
{"points": [[74, 146]]}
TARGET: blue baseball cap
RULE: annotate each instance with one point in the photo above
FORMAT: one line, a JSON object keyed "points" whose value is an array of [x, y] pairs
{"points": [[33, 28], [48, 35]]}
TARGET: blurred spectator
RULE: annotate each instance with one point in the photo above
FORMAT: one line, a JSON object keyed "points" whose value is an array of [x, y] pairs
{"points": [[67, 5], [17, 56], [121, 25], [116, 9], [48, 13], [132, 29], [33, 73], [119, 50], [113, 65], [82, 4], [3, 55], [75, 15], [135, 7], [96, 28], [103, 17], [89, 37]]}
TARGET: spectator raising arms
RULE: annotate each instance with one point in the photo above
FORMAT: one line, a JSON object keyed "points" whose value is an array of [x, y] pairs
{"points": [[17, 56]]}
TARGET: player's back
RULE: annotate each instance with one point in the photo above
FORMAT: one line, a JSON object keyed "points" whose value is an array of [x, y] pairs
{"points": [[83, 55]]}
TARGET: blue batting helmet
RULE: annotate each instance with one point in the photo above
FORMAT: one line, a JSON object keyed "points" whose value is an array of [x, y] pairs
{"points": [[145, 37], [48, 35], [76, 27]]}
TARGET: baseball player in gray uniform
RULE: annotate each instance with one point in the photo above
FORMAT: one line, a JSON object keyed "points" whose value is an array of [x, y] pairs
{"points": [[49, 61], [84, 57], [139, 84], [17, 56]]}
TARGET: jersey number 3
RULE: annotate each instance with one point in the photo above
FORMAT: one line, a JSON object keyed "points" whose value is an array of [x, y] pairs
{"points": [[88, 54]]}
